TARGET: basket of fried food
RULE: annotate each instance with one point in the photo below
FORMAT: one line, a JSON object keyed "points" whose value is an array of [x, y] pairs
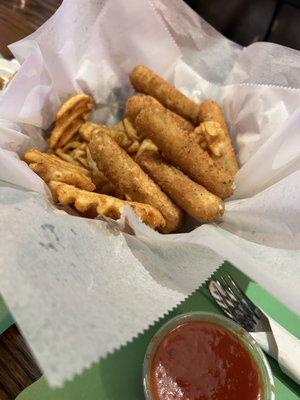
{"points": [[168, 157]]}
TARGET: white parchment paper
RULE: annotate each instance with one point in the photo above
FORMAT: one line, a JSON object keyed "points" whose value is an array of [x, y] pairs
{"points": [[79, 288]]}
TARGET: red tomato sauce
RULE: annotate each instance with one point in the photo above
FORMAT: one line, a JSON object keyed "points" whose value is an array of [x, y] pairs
{"points": [[201, 360]]}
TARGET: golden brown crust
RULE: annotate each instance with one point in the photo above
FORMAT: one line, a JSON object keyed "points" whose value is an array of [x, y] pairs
{"points": [[103, 185], [183, 152], [198, 202], [210, 111], [65, 156], [70, 116], [131, 180], [104, 205], [87, 130], [210, 137], [74, 102], [123, 133], [135, 104], [147, 82], [73, 152], [49, 167]]}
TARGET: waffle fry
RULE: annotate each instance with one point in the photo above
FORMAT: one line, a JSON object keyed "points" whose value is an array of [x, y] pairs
{"points": [[50, 167], [180, 149], [210, 111], [147, 82], [126, 136], [136, 103], [87, 130], [70, 117], [131, 180], [66, 157], [191, 197], [119, 126], [104, 205], [131, 134], [210, 137], [119, 136], [74, 152]]}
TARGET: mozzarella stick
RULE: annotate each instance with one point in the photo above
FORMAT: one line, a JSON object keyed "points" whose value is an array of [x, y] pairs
{"points": [[183, 151], [210, 111], [198, 202], [146, 81], [136, 103], [131, 180]]}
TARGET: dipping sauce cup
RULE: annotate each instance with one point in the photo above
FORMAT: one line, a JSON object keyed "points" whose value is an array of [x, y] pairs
{"points": [[205, 356]]}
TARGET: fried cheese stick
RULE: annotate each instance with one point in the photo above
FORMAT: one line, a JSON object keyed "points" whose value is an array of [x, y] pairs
{"points": [[136, 103], [198, 202], [210, 111], [183, 151], [146, 81], [131, 180]]}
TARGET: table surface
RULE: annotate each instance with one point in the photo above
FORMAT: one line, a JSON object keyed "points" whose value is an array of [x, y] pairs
{"points": [[17, 366], [18, 18]]}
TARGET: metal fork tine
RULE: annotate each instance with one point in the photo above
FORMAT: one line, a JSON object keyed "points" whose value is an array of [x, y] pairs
{"points": [[240, 294], [237, 292], [246, 314], [233, 295], [225, 300], [237, 305], [240, 291], [238, 312]]}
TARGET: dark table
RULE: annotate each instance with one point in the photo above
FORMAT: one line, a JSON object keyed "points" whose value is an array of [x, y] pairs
{"points": [[19, 18], [243, 21], [17, 367]]}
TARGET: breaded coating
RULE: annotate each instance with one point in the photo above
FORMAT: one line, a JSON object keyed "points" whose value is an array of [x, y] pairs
{"points": [[99, 179], [49, 168], [123, 133], [193, 198], [87, 130], [131, 180], [147, 82], [104, 205], [135, 103], [210, 111], [183, 151]]}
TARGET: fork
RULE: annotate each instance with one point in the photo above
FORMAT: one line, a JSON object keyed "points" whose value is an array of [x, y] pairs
{"points": [[271, 337]]}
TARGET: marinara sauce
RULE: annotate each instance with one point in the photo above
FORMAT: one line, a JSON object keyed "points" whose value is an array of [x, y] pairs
{"points": [[201, 360]]}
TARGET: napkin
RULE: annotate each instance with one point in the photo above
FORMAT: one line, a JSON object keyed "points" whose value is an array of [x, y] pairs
{"points": [[282, 346]]}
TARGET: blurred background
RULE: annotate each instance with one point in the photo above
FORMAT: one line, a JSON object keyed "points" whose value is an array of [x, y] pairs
{"points": [[243, 21]]}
